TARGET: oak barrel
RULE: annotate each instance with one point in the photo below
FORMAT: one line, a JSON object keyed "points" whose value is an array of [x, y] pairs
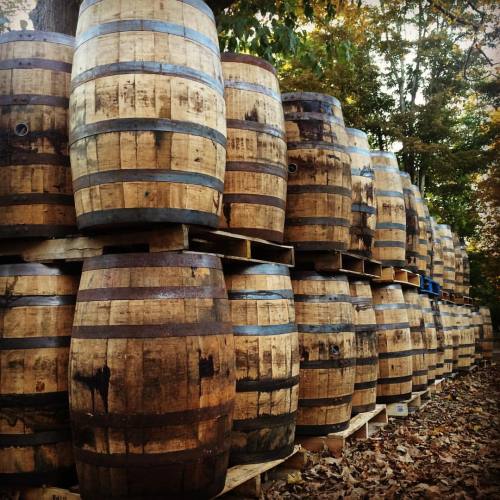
{"points": [[267, 362], [467, 340], [390, 234], [456, 334], [465, 258], [364, 209], [477, 324], [327, 345], [440, 369], [147, 114], [365, 326], [37, 304], [420, 361], [430, 337], [459, 265], [412, 224], [318, 211], [428, 229], [448, 257], [36, 195], [152, 376], [394, 344], [256, 168], [437, 264], [445, 329], [487, 343], [424, 252]]}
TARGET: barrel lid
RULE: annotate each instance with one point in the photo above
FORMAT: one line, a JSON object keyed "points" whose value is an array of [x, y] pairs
{"points": [[37, 36], [310, 96], [356, 131], [247, 59]]}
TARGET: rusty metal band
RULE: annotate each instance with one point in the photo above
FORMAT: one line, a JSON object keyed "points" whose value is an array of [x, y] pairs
{"points": [[132, 217], [332, 146], [336, 401], [363, 301], [313, 116], [321, 430], [35, 231], [260, 269], [371, 361], [13, 159], [323, 298], [390, 244], [326, 328], [390, 307], [395, 380], [395, 398], [148, 25], [429, 325], [247, 59], [34, 269], [362, 207], [326, 364], [37, 199], [148, 175], [318, 221], [396, 354], [152, 293], [37, 36], [255, 199], [266, 385], [36, 439], [256, 127], [10, 301], [314, 276], [419, 373], [264, 330], [391, 225], [257, 168], [147, 67], [34, 100], [417, 329], [146, 125], [252, 87], [311, 96], [202, 329], [7, 344], [316, 188], [141, 460], [260, 294], [359, 386], [35, 63], [367, 328], [154, 259], [36, 400], [264, 422], [148, 420]]}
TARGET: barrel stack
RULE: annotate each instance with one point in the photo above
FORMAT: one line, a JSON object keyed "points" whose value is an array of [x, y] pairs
{"points": [[412, 246], [424, 252]]}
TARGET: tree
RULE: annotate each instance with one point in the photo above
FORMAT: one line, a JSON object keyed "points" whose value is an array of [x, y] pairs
{"points": [[56, 15]]}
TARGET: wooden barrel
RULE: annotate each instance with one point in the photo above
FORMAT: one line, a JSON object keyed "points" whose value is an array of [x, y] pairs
{"points": [[364, 210], [467, 340], [147, 114], [448, 257], [477, 324], [327, 351], [424, 251], [256, 168], [420, 360], [318, 210], [430, 337], [36, 195], [390, 234], [437, 263], [440, 369], [487, 343], [466, 286], [428, 229], [456, 334], [394, 344], [152, 376], [365, 326], [459, 265], [267, 362], [412, 224], [445, 336], [37, 304]]}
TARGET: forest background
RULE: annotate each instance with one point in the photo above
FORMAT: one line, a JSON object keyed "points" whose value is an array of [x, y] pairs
{"points": [[421, 77]]}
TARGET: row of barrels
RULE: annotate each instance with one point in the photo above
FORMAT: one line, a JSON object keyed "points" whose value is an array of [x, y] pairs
{"points": [[157, 136], [176, 368]]}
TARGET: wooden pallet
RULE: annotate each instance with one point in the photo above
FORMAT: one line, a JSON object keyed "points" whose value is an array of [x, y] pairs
{"points": [[361, 426], [231, 247], [339, 262], [459, 299], [417, 401], [400, 276]]}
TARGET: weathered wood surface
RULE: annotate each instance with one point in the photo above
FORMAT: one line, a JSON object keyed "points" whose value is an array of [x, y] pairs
{"points": [[37, 303], [412, 224], [256, 169], [466, 350], [448, 257], [36, 196], [394, 344], [430, 337], [424, 251], [459, 265], [152, 376], [437, 264], [324, 316], [365, 326], [267, 362], [318, 214], [445, 327], [147, 114], [390, 234]]}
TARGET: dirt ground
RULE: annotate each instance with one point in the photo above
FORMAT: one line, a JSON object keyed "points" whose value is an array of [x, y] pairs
{"points": [[449, 449]]}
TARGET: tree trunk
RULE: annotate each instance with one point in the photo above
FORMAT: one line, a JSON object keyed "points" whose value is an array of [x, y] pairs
{"points": [[60, 16]]}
